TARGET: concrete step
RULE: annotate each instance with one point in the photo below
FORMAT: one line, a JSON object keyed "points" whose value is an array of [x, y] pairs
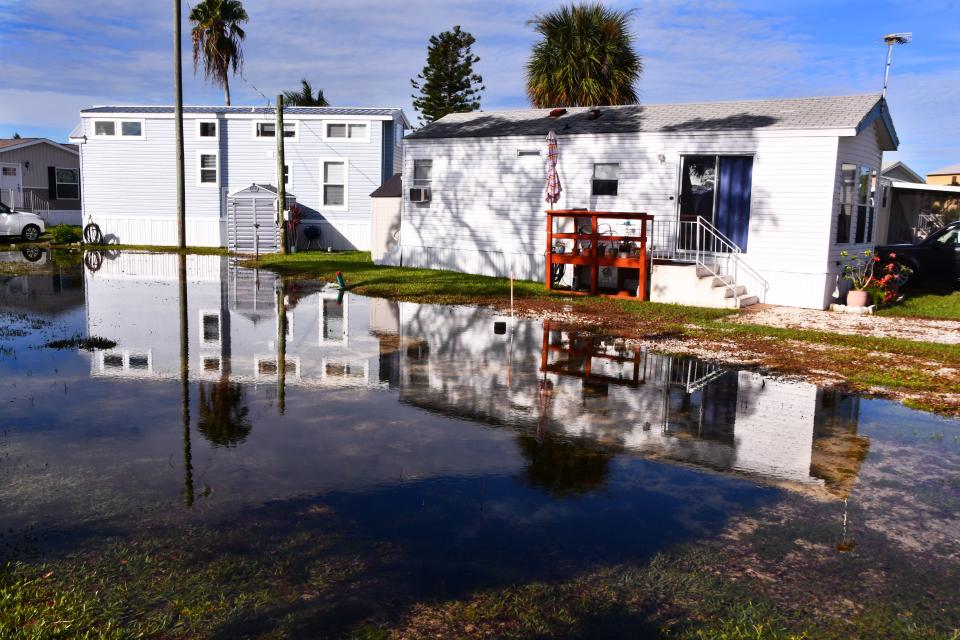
{"points": [[736, 292], [742, 301]]}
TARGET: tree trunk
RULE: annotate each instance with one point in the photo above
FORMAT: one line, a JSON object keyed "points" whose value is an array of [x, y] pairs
{"points": [[226, 88]]}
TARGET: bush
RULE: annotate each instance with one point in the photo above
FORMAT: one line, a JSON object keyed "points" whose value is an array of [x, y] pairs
{"points": [[65, 234]]}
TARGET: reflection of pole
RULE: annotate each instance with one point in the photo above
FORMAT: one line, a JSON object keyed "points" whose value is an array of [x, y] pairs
{"points": [[282, 347], [185, 383]]}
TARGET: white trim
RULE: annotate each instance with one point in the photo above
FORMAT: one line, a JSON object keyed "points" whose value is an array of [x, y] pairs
{"points": [[348, 140], [214, 138], [346, 184], [208, 152], [294, 138]]}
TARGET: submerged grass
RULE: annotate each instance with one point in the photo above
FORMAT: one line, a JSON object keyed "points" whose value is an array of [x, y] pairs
{"points": [[87, 343]]}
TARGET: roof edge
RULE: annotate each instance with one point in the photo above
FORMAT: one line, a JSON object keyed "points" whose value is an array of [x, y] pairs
{"points": [[32, 141]]}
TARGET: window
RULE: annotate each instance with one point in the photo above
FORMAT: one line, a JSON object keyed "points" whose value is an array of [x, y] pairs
{"points": [[287, 175], [210, 328], [207, 130], [334, 183], [10, 171], [131, 129], [528, 153], [269, 130], [208, 171], [884, 192], [355, 131], [68, 184], [848, 179], [104, 128], [211, 364], [949, 238], [422, 173], [865, 203], [606, 179]]}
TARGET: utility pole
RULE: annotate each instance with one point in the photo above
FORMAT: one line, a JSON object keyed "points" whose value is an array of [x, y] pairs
{"points": [[281, 178], [178, 125]]}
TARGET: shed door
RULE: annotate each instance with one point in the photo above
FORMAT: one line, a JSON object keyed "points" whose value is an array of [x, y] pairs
{"points": [[253, 225]]}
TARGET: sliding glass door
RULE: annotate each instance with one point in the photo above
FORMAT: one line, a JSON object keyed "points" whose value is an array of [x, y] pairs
{"points": [[718, 190]]}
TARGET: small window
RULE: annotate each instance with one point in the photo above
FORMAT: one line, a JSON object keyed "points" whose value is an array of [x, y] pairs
{"points": [[269, 130], [334, 184], [210, 328], [528, 153], [346, 130], [68, 184], [10, 171], [211, 364], [131, 129], [104, 128], [606, 178], [848, 197], [113, 361], [208, 168], [139, 361], [422, 173], [207, 130]]}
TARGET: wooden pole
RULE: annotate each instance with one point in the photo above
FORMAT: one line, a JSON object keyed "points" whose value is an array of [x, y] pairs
{"points": [[281, 181], [178, 126]]}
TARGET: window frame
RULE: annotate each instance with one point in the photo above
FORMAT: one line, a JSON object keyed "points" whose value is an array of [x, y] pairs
{"points": [[118, 128], [346, 183], [255, 131], [104, 135], [213, 138], [420, 183], [594, 180], [348, 139], [57, 183], [207, 152], [843, 201]]}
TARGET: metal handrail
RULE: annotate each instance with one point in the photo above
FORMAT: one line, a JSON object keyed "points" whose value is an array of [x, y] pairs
{"points": [[710, 249]]}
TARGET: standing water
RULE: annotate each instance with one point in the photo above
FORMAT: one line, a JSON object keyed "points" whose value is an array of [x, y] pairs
{"points": [[259, 458]]}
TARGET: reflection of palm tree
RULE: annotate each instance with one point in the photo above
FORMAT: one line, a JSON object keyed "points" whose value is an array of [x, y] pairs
{"points": [[224, 417], [564, 468]]}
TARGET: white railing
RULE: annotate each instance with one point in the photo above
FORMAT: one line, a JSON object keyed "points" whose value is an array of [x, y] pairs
{"points": [[37, 205], [699, 242], [12, 198]]}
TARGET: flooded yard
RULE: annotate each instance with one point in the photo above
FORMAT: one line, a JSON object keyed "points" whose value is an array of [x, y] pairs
{"points": [[246, 457]]}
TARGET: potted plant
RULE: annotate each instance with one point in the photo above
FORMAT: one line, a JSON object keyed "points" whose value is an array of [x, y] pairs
{"points": [[858, 269]]}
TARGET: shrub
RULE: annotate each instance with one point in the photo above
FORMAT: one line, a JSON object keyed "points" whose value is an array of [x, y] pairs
{"points": [[65, 234]]}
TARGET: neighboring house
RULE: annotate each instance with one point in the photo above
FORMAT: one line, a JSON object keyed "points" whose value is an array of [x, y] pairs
{"points": [[335, 157], [42, 176], [949, 175], [909, 208], [788, 181]]}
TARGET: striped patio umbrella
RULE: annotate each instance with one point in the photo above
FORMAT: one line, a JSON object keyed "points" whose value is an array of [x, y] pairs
{"points": [[553, 178]]}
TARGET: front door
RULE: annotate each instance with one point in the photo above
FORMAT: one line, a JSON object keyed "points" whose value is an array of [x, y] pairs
{"points": [[718, 190], [10, 185]]}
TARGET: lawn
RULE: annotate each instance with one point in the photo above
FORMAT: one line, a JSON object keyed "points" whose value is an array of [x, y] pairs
{"points": [[937, 304]]}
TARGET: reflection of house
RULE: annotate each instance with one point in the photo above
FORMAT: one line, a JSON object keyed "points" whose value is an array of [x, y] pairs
{"points": [[334, 158], [50, 294], [789, 182], [599, 391]]}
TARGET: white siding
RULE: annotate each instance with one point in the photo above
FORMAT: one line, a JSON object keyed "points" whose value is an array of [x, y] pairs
{"points": [[487, 212], [129, 186]]}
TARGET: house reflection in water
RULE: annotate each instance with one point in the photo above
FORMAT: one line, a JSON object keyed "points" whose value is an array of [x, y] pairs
{"points": [[575, 399]]}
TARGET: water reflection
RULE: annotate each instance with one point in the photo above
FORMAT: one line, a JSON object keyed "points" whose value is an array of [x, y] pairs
{"points": [[574, 399]]}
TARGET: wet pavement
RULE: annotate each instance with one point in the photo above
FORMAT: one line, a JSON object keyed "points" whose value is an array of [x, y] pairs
{"points": [[465, 450]]}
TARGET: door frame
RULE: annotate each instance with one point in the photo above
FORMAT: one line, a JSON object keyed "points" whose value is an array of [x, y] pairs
{"points": [[18, 195], [716, 189]]}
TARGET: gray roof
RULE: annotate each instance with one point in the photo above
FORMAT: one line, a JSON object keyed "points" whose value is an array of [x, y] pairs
{"points": [[392, 188], [213, 110], [842, 112], [948, 170]]}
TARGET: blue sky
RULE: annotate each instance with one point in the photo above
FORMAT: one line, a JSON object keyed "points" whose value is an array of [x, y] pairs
{"points": [[58, 56]]}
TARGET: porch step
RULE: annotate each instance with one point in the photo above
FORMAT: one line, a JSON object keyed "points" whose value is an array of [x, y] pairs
{"points": [[742, 301]]}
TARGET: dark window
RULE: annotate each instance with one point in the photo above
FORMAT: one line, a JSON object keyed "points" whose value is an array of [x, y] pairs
{"points": [[606, 179], [68, 184], [848, 196], [208, 129]]}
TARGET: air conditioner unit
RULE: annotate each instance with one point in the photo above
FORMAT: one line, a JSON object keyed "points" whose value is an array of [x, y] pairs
{"points": [[420, 194]]}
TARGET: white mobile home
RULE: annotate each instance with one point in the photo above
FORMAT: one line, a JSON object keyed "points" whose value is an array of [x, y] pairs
{"points": [[334, 157], [783, 186]]}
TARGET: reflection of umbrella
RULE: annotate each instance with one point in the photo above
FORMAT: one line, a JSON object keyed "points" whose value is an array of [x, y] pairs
{"points": [[553, 179]]}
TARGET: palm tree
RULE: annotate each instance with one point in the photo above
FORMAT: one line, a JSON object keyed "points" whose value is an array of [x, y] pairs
{"points": [[304, 97], [217, 36], [585, 58]]}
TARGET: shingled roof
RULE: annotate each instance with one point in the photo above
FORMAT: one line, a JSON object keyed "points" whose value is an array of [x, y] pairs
{"points": [[841, 112]]}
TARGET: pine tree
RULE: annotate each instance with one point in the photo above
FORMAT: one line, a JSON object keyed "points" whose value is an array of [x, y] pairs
{"points": [[447, 83]]}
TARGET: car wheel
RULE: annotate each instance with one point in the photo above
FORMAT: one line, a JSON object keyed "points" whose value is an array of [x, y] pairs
{"points": [[903, 277], [30, 233]]}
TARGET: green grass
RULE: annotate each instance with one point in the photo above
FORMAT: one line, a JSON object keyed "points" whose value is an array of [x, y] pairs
{"points": [[927, 304]]}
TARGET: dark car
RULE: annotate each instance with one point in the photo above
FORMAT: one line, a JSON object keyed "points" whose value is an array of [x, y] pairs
{"points": [[934, 259]]}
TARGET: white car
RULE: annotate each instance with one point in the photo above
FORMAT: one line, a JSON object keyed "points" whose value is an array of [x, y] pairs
{"points": [[18, 223]]}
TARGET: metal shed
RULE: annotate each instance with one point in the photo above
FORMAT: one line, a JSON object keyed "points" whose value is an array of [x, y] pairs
{"points": [[252, 219]]}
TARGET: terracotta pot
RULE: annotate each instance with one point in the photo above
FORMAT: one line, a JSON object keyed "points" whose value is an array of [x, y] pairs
{"points": [[857, 298]]}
